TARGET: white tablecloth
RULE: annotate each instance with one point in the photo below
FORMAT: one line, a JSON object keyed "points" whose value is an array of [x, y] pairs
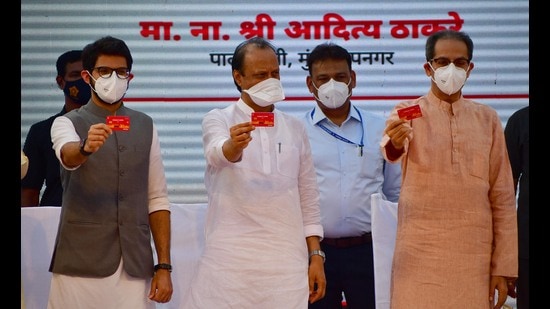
{"points": [[38, 231], [39, 226], [384, 223]]}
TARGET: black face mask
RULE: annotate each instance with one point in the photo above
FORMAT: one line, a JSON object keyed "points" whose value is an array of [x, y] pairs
{"points": [[78, 91]]}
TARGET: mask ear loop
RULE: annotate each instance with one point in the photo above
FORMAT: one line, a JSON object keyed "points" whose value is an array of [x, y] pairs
{"points": [[314, 95], [349, 81], [95, 80], [349, 95], [431, 67], [433, 70], [468, 69]]}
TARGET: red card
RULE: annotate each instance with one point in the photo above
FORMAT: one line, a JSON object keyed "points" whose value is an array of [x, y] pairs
{"points": [[410, 112], [263, 119], [119, 123]]}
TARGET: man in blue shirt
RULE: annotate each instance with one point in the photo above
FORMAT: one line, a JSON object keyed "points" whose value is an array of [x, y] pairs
{"points": [[350, 168]]}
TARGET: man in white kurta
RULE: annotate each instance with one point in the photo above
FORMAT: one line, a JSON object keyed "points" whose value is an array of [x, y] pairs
{"points": [[263, 205]]}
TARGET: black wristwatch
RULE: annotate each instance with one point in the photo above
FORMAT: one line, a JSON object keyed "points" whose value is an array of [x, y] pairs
{"points": [[82, 151], [168, 267]]}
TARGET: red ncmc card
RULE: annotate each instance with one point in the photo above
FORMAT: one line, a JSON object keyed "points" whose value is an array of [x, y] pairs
{"points": [[410, 112], [262, 119], [119, 123]]}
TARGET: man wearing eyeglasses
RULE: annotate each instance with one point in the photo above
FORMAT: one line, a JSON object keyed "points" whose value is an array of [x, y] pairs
{"points": [[114, 195], [456, 242]]}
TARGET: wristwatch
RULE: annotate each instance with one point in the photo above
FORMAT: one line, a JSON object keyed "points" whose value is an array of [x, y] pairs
{"points": [[82, 151], [168, 267], [318, 252]]}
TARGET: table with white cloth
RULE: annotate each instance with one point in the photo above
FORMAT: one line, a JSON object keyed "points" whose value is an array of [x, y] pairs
{"points": [[384, 224], [39, 228]]}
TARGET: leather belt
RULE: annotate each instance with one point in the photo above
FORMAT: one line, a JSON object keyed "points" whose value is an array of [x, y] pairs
{"points": [[346, 242]]}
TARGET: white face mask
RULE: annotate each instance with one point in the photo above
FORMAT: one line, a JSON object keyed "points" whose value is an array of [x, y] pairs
{"points": [[110, 90], [266, 92], [333, 94], [449, 79]]}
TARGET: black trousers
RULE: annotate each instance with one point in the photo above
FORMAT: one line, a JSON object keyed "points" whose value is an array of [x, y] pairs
{"points": [[349, 270], [522, 285]]}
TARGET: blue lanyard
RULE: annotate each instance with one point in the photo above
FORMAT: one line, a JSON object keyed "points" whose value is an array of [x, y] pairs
{"points": [[335, 135]]}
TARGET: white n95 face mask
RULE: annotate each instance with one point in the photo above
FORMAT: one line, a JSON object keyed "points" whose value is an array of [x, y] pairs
{"points": [[110, 90], [449, 79], [266, 92], [333, 94]]}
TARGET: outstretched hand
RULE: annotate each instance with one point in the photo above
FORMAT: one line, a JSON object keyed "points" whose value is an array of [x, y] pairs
{"points": [[239, 137]]}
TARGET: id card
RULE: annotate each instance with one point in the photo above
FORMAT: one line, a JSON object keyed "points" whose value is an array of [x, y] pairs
{"points": [[262, 119], [119, 123], [410, 112]]}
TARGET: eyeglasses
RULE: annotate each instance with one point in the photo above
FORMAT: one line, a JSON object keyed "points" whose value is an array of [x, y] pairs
{"points": [[443, 62], [106, 72]]}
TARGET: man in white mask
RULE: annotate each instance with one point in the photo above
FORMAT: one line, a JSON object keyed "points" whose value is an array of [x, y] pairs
{"points": [[350, 168], [262, 224], [115, 200], [456, 243]]}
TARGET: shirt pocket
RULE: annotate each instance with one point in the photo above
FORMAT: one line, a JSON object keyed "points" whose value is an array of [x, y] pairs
{"points": [[288, 160], [370, 163], [479, 157], [479, 165]]}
